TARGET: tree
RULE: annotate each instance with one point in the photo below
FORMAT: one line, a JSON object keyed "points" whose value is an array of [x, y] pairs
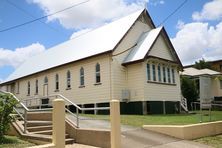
{"points": [[189, 90], [201, 64], [7, 102]]}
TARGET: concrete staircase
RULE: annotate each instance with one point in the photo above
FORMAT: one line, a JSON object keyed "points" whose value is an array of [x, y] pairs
{"points": [[39, 128]]}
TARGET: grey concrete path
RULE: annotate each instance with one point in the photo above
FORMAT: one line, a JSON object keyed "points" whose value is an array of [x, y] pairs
{"points": [[133, 137]]}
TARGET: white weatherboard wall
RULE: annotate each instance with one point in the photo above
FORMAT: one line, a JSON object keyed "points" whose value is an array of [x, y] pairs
{"points": [[120, 73], [160, 49], [89, 94]]}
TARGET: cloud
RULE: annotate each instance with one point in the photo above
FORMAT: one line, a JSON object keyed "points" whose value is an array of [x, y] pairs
{"points": [[198, 40], [211, 11], [90, 14], [19, 55]]}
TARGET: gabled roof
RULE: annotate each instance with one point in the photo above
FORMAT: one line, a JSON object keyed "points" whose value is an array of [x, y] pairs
{"points": [[199, 72], [144, 44], [101, 40]]}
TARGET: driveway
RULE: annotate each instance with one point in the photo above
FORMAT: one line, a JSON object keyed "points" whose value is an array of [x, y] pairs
{"points": [[133, 137]]}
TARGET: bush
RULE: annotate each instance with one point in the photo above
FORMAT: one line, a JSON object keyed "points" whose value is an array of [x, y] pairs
{"points": [[189, 90], [7, 102]]}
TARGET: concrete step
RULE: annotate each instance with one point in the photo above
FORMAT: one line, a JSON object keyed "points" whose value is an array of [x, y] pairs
{"points": [[45, 116], [38, 123], [39, 128], [45, 132], [69, 141]]}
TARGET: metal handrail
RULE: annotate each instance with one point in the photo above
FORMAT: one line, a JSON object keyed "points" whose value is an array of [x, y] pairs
{"points": [[26, 109]]}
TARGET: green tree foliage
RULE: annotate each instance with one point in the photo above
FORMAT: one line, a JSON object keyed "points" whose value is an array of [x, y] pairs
{"points": [[201, 64], [189, 90], [7, 102]]}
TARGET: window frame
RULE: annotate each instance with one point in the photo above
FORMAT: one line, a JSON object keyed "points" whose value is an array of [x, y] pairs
{"points": [[28, 88], [81, 76], [98, 73], [36, 86], [154, 72], [168, 75], [56, 82], [159, 73], [68, 79], [173, 75], [148, 71]]}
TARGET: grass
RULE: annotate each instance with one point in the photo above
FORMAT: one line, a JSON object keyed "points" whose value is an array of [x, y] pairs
{"points": [[174, 119], [214, 141], [14, 142]]}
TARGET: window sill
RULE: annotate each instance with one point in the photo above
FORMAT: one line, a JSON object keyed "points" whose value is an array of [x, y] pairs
{"points": [[98, 83], [57, 90], [69, 88], [161, 83], [82, 86]]}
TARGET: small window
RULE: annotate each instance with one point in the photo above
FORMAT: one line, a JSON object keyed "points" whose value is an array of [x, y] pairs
{"points": [[81, 77], [36, 87], [154, 72], [220, 84], [148, 71], [28, 88], [68, 76], [56, 82], [46, 80], [98, 76], [159, 73], [173, 75], [168, 75], [164, 74]]}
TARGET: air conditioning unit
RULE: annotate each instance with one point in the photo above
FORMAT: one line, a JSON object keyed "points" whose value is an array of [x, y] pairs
{"points": [[125, 95]]}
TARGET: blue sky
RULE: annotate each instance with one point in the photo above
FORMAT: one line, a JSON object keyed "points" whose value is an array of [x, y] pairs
{"points": [[195, 29]]}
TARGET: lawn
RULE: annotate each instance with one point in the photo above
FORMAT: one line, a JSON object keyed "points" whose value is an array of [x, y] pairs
{"points": [[215, 141], [174, 119], [14, 142]]}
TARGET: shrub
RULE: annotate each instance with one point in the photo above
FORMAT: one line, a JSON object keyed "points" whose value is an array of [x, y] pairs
{"points": [[7, 102], [189, 90]]}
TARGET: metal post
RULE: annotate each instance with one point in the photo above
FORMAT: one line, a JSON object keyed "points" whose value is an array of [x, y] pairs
{"points": [[25, 121], [77, 117]]}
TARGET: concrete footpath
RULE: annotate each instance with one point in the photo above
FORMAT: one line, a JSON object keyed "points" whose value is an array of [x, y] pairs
{"points": [[132, 137]]}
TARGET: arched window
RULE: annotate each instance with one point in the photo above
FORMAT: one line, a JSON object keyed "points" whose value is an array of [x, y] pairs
{"points": [[68, 79], [98, 76], [81, 76], [28, 88], [56, 82], [36, 86], [46, 80]]}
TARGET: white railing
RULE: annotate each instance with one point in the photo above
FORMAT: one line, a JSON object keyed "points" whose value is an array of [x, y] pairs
{"points": [[183, 103], [37, 102]]}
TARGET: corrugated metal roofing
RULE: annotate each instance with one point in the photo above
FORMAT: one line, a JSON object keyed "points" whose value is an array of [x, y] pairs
{"points": [[100, 40], [197, 72], [143, 45]]}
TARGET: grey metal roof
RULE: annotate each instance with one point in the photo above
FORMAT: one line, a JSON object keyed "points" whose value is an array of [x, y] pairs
{"points": [[198, 72], [98, 41], [143, 45]]}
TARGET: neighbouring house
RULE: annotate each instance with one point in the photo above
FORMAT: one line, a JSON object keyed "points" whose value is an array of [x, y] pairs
{"points": [[209, 82], [129, 59], [216, 65]]}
